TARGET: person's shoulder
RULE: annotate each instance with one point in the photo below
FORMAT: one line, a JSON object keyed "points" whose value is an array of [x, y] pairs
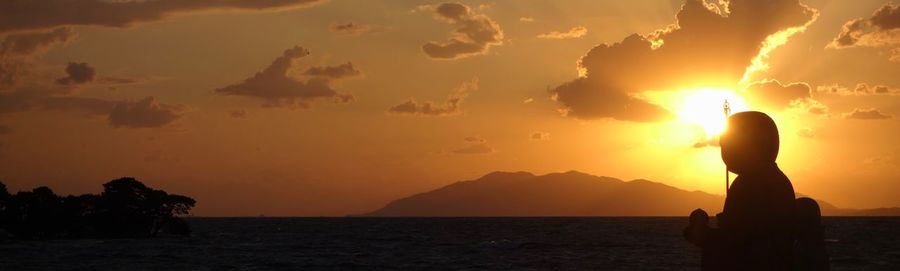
{"points": [[781, 177], [782, 182]]}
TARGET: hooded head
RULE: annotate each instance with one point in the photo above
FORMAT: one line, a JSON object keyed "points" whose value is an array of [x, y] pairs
{"points": [[750, 142]]}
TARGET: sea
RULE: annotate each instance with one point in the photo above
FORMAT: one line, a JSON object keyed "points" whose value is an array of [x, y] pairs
{"points": [[502, 243]]}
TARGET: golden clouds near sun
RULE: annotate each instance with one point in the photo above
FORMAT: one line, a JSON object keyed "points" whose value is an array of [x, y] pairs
{"points": [[705, 108], [699, 112]]}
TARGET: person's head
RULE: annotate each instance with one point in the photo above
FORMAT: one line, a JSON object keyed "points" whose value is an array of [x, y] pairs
{"points": [[699, 218], [808, 213], [749, 142]]}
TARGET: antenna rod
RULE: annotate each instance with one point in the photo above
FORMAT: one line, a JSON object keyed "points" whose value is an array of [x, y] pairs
{"points": [[727, 108]]}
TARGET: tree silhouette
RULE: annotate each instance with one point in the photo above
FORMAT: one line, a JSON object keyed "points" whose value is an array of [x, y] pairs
{"points": [[125, 208]]}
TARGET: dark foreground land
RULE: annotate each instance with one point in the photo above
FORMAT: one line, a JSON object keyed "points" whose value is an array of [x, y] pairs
{"points": [[857, 243]]}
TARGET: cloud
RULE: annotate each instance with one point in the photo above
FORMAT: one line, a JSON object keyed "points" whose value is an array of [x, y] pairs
{"points": [[867, 114], [526, 19], [18, 15], [817, 109], [449, 107], [145, 113], [32, 43], [771, 93], [707, 46], [865, 89], [712, 142], [585, 99], [238, 114], [15, 102], [78, 73], [334, 72], [861, 89], [37, 97], [805, 133], [475, 139], [881, 29], [540, 136], [477, 148], [476, 145], [833, 89], [575, 32], [88, 107], [351, 29], [474, 35], [702, 139], [17, 53], [18, 50], [277, 88]]}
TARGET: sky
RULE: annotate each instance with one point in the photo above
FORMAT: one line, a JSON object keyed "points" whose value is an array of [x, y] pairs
{"points": [[324, 108]]}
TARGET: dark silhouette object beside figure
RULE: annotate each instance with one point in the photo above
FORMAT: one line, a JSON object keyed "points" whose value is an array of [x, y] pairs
{"points": [[809, 247], [762, 226]]}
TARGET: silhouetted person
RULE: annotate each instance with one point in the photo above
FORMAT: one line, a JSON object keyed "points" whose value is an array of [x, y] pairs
{"points": [[809, 247], [697, 233], [699, 226], [756, 227]]}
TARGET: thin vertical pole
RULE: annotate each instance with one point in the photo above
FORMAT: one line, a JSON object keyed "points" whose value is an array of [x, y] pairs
{"points": [[727, 108]]}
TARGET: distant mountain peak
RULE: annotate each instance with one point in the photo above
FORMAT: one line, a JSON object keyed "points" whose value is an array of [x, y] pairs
{"points": [[570, 193], [506, 174], [574, 174]]}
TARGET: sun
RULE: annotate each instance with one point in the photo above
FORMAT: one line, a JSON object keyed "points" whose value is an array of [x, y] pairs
{"points": [[705, 108]]}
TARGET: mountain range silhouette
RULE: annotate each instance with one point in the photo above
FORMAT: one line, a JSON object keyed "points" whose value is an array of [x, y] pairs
{"points": [[568, 194]]}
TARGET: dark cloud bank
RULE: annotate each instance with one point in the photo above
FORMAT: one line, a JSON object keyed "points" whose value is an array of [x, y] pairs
{"points": [[707, 46], [278, 88], [776, 95], [144, 113], [475, 33], [18, 15], [882, 29], [29, 28], [873, 31], [78, 73], [18, 50], [449, 107]]}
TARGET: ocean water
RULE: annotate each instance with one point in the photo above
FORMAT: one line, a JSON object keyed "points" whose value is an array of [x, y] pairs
{"points": [[856, 243]]}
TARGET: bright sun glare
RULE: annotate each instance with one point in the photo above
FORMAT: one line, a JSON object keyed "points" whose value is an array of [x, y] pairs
{"points": [[704, 108]]}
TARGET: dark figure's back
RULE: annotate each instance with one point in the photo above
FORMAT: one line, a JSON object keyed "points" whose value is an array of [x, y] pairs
{"points": [[757, 222]]}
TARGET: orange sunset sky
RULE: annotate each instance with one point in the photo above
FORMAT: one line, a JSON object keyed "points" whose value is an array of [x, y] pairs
{"points": [[306, 107]]}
